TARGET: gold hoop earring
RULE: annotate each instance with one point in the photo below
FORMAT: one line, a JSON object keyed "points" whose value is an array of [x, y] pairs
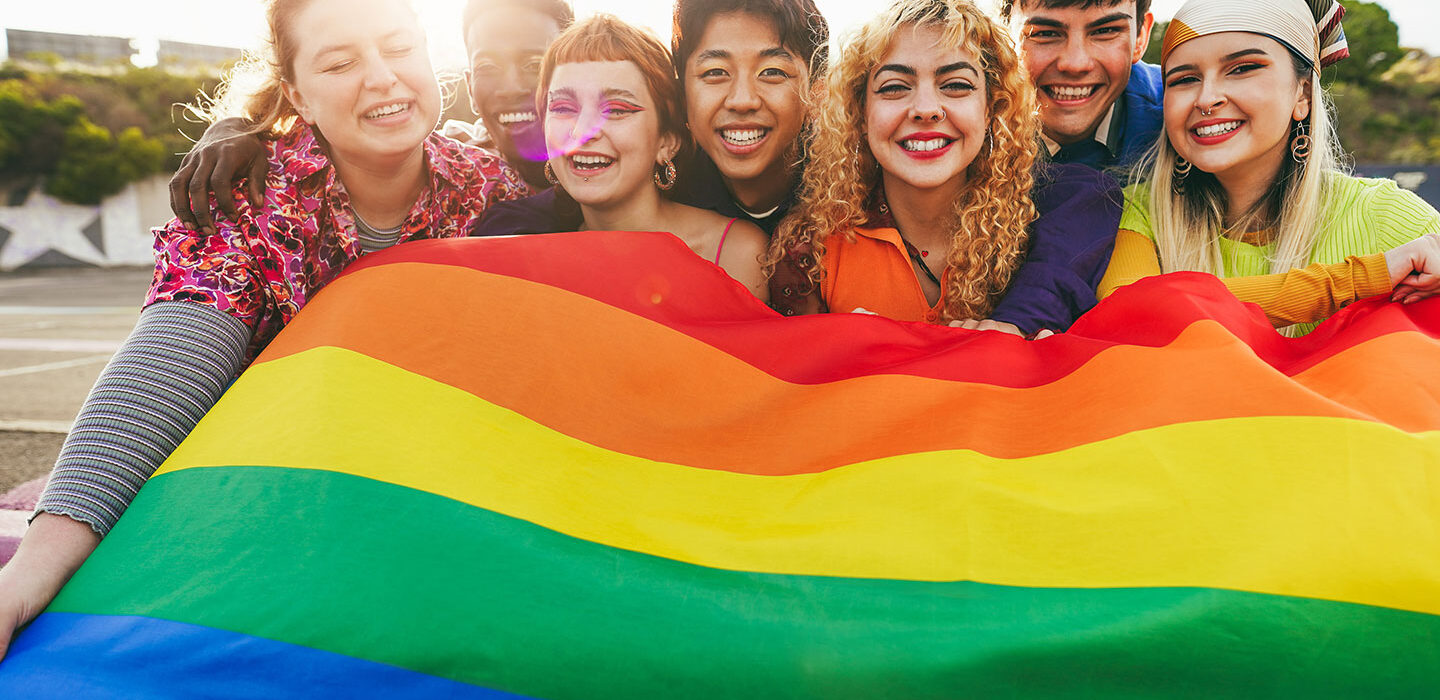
{"points": [[1300, 145], [665, 176], [550, 174], [1182, 171]]}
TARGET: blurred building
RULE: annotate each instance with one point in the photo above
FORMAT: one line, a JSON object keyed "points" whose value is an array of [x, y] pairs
{"points": [[70, 47], [182, 54]]}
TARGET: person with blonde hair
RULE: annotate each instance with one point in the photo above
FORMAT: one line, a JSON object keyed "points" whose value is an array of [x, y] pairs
{"points": [[920, 201], [1245, 181], [350, 101]]}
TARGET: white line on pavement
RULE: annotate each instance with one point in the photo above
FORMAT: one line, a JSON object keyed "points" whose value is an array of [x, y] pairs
{"points": [[32, 369], [35, 426], [67, 310], [59, 344]]}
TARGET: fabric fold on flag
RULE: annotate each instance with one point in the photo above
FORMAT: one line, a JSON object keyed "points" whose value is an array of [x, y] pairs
{"points": [[591, 465]]}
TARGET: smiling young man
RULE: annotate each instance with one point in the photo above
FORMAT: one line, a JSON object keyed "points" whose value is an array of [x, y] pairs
{"points": [[1099, 102], [505, 41]]}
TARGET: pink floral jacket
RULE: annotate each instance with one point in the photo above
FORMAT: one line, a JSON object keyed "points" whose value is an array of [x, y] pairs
{"points": [[264, 267]]}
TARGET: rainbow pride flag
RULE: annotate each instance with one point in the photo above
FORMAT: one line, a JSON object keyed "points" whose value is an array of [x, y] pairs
{"points": [[591, 466]]}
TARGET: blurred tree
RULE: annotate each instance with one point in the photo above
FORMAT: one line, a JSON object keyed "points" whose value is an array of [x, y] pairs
{"points": [[35, 129], [88, 134], [1374, 44], [1157, 37], [96, 164]]}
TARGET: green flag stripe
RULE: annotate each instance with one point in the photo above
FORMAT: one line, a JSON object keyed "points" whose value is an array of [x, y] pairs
{"points": [[315, 558]]}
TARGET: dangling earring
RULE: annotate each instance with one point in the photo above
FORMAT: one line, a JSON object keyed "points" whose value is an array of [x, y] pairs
{"points": [[1300, 145], [665, 176], [1182, 171], [550, 174]]}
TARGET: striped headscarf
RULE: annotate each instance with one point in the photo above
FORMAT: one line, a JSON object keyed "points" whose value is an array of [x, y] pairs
{"points": [[1309, 28]]}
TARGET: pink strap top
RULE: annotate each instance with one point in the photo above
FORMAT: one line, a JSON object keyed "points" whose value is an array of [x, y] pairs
{"points": [[722, 240]]}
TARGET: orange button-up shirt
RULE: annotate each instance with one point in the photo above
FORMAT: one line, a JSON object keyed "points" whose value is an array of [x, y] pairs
{"points": [[874, 273]]}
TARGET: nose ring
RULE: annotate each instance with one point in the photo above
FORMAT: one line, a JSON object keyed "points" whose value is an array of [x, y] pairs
{"points": [[939, 117], [1206, 112]]}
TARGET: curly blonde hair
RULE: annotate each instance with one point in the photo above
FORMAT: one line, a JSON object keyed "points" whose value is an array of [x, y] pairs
{"points": [[992, 215]]}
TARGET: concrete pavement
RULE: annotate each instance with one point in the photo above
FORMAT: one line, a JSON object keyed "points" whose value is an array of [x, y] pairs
{"points": [[58, 327]]}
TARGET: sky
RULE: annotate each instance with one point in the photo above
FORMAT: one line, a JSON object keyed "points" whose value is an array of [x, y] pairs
{"points": [[241, 23]]}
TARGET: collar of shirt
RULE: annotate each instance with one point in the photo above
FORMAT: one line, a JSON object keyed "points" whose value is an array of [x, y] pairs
{"points": [[306, 157], [1106, 132]]}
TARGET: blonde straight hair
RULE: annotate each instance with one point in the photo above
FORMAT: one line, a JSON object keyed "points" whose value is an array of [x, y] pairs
{"points": [[1188, 226]]}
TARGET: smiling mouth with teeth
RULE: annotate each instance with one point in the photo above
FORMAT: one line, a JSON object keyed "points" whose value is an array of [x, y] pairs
{"points": [[743, 137], [925, 146], [590, 163], [387, 110], [510, 118], [1066, 92], [1217, 129]]}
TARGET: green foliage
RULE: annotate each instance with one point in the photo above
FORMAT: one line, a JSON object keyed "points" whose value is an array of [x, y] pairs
{"points": [[35, 130], [88, 134], [96, 164], [1157, 38], [1374, 44]]}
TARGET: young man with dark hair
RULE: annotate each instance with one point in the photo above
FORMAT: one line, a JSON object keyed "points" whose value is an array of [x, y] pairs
{"points": [[504, 42], [1099, 102]]}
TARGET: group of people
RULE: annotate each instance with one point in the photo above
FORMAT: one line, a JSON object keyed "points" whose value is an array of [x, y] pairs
{"points": [[944, 166]]}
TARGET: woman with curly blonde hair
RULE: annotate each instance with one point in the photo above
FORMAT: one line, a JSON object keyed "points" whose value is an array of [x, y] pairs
{"points": [[920, 201]]}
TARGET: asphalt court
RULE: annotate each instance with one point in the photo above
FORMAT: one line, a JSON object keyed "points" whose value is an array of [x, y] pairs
{"points": [[58, 327]]}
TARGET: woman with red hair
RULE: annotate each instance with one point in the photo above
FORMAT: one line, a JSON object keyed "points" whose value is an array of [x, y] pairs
{"points": [[614, 129]]}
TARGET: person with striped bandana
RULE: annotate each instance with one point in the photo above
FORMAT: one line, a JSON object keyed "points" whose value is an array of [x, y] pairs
{"points": [[356, 71], [1245, 183]]}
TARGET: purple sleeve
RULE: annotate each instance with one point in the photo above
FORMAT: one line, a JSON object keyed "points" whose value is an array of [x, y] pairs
{"points": [[1070, 245]]}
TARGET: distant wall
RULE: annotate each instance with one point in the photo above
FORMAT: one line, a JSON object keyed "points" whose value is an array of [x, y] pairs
{"points": [[45, 232]]}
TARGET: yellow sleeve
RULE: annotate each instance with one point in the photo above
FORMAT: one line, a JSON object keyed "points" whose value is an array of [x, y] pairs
{"points": [[1134, 259], [1312, 294]]}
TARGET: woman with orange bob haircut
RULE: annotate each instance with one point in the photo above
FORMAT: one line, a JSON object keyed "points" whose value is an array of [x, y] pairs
{"points": [[614, 126]]}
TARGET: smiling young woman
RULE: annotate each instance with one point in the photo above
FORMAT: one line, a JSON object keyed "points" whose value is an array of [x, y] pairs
{"points": [[350, 101], [1245, 180], [920, 200], [613, 130]]}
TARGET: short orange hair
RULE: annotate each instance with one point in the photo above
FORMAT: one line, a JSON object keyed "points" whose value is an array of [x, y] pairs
{"points": [[608, 38]]}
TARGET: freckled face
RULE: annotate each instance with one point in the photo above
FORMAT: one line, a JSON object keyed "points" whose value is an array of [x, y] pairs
{"points": [[603, 131], [362, 77], [1247, 85], [926, 113]]}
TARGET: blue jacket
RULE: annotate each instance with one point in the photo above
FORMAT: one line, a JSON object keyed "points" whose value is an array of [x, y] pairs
{"points": [[1144, 100]]}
